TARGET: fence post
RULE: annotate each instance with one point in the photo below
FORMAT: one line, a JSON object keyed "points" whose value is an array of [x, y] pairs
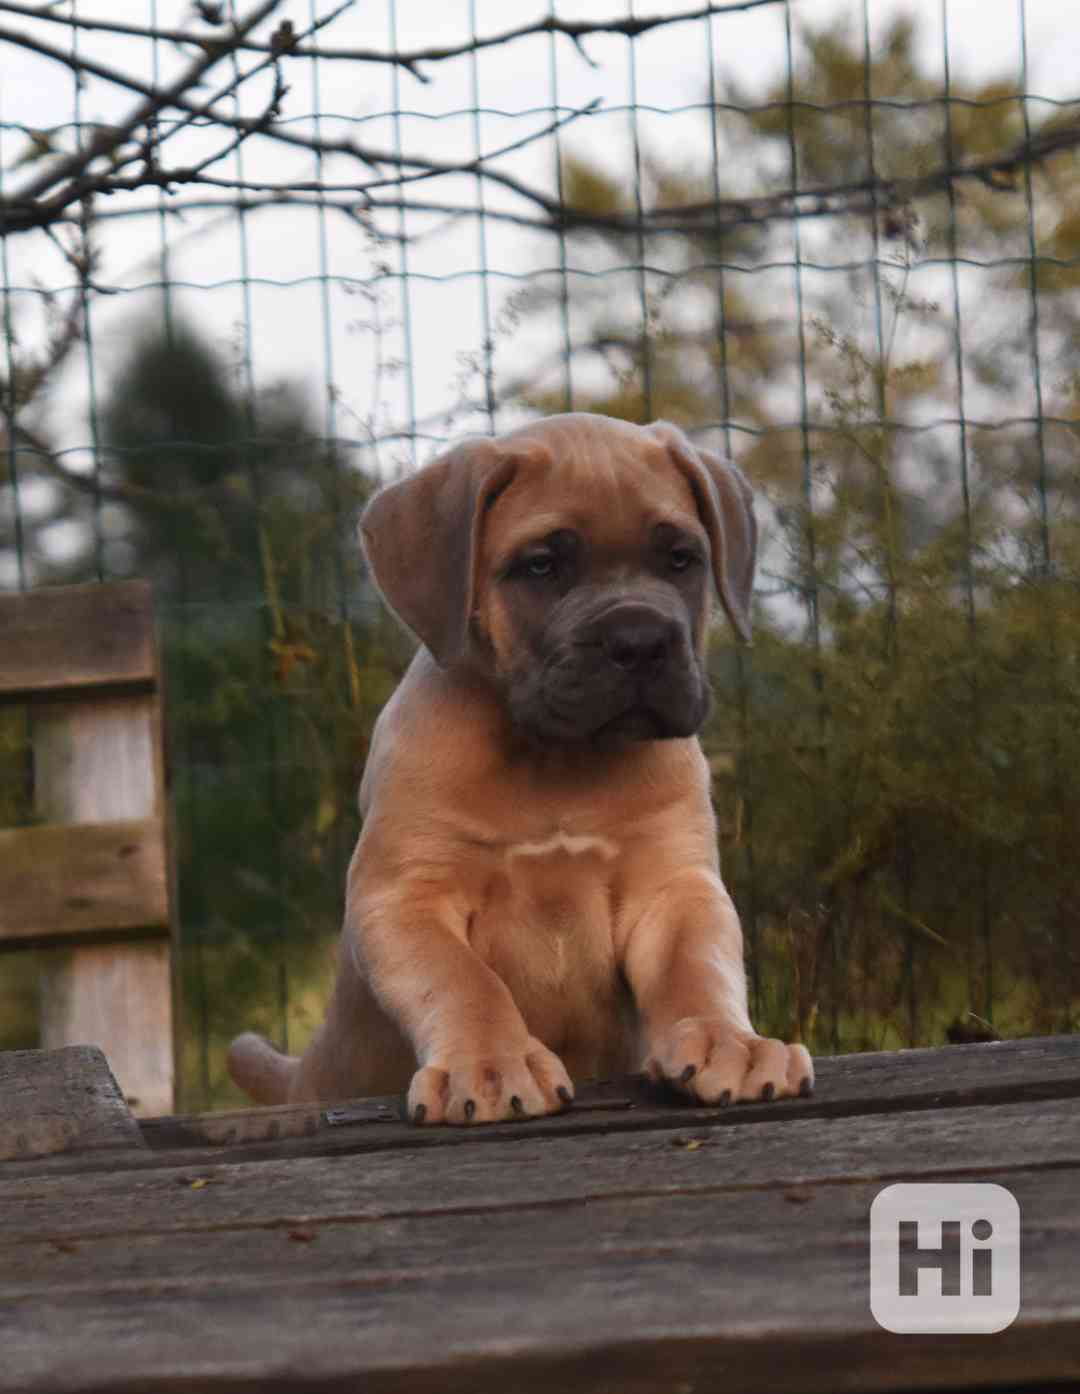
{"points": [[94, 763]]}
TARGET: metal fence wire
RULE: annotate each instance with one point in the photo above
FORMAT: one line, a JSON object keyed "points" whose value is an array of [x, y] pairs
{"points": [[255, 261]]}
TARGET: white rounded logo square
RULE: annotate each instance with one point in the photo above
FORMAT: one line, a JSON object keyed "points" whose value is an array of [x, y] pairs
{"points": [[944, 1258]]}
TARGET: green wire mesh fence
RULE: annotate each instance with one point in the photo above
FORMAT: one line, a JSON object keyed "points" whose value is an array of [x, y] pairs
{"points": [[253, 262]]}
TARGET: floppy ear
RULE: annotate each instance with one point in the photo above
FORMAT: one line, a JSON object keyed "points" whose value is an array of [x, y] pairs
{"points": [[419, 538], [726, 504]]}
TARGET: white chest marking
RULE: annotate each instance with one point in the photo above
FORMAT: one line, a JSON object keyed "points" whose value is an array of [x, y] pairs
{"points": [[565, 842]]}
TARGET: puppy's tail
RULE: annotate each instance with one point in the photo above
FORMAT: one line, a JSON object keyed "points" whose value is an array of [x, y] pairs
{"points": [[260, 1070]]}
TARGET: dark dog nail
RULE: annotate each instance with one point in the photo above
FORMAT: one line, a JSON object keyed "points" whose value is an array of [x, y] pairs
{"points": [[806, 1087], [470, 1109], [517, 1105], [564, 1094], [688, 1074], [419, 1113], [724, 1099], [768, 1091]]}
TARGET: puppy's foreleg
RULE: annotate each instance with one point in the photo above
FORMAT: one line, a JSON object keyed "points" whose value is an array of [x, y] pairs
{"points": [[476, 1060], [684, 963]]}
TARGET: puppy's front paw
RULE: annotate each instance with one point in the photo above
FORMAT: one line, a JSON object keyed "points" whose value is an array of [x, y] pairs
{"points": [[490, 1086], [704, 1058]]}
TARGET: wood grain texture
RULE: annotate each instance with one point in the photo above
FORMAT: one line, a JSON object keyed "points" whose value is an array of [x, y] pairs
{"points": [[57, 881], [480, 1178], [61, 1101], [99, 761], [64, 640], [593, 1263]]}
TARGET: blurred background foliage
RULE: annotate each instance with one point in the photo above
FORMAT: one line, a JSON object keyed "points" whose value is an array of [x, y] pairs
{"points": [[894, 755], [893, 759]]}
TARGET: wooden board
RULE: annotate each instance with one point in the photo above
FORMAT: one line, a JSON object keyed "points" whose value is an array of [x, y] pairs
{"points": [[59, 881], [99, 761], [607, 1262], [63, 640], [61, 1101], [478, 1177], [1041, 1067]]}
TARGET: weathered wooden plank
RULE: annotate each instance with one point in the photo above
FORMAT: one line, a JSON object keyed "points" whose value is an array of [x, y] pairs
{"points": [[456, 1336], [635, 1294], [1041, 1067], [426, 1241], [480, 1177], [61, 1101], [95, 762], [62, 640], [640, 1261], [59, 881]]}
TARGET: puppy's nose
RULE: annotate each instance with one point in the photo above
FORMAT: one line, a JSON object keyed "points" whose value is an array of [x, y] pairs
{"points": [[637, 639]]}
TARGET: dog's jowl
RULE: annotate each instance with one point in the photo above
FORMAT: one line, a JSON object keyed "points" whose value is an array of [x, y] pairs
{"points": [[535, 898]]}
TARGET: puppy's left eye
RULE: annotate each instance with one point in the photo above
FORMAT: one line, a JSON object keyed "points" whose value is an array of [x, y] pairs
{"points": [[682, 558]]}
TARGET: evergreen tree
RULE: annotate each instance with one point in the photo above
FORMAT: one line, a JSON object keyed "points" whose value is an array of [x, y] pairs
{"points": [[277, 661]]}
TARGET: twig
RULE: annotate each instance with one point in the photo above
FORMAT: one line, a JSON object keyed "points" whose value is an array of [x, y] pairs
{"points": [[81, 187], [194, 174], [229, 207], [477, 165], [113, 137], [260, 124]]}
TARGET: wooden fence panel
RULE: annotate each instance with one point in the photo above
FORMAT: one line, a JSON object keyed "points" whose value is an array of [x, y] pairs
{"points": [[84, 659]]}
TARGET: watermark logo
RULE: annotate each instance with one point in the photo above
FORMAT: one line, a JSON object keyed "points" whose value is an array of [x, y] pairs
{"points": [[945, 1258]]}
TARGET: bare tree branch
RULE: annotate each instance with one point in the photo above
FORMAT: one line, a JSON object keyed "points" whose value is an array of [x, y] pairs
{"points": [[112, 138], [995, 172], [166, 178], [831, 201], [19, 212], [131, 151], [575, 30]]}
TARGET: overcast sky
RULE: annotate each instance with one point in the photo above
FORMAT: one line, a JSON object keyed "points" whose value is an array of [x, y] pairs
{"points": [[283, 318]]}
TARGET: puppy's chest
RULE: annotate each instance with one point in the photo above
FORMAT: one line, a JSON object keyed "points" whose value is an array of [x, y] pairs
{"points": [[547, 927], [553, 889]]}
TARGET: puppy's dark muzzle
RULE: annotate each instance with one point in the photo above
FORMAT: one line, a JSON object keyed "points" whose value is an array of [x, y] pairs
{"points": [[620, 668], [637, 640]]}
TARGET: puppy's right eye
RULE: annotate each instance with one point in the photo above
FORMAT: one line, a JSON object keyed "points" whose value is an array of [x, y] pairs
{"points": [[536, 566]]}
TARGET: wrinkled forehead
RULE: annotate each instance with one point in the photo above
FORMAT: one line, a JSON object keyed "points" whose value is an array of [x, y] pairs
{"points": [[610, 485]]}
